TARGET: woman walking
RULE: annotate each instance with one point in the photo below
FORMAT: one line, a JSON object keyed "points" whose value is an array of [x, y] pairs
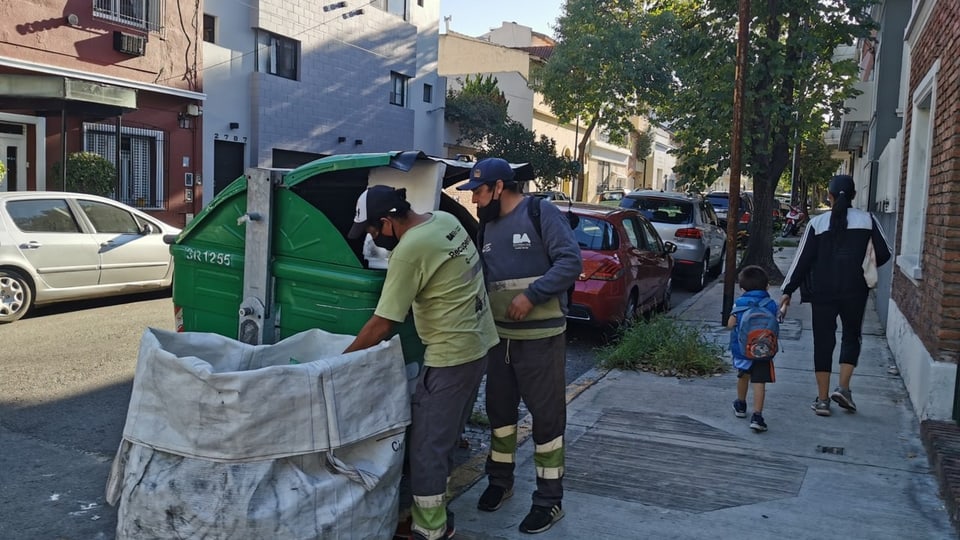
{"points": [[835, 268]]}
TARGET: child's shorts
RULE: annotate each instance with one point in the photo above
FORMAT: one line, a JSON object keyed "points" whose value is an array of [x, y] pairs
{"points": [[760, 372]]}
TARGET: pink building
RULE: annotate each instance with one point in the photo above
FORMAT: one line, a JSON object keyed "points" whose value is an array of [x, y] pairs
{"points": [[74, 74]]}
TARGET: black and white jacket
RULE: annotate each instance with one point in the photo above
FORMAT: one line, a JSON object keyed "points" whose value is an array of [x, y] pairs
{"points": [[829, 264]]}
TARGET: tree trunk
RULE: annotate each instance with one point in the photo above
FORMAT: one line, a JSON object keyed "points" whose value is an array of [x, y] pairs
{"points": [[582, 147]]}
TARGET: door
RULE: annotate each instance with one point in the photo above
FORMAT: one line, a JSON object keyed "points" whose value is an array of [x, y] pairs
{"points": [[227, 163], [13, 146], [50, 238], [643, 265], [659, 258], [127, 256]]}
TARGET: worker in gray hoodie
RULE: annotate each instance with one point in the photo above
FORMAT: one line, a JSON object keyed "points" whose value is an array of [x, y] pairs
{"points": [[531, 261]]}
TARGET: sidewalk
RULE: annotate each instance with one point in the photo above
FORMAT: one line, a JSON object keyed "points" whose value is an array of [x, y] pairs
{"points": [[658, 457]]}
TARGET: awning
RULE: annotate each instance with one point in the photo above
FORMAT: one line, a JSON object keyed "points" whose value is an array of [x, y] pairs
{"points": [[56, 93]]}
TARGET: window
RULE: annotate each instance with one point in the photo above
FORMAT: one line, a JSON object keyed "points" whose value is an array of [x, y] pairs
{"points": [[209, 28], [278, 55], [398, 89], [146, 14], [918, 174], [653, 238], [43, 216], [636, 238], [109, 219], [428, 93], [596, 234], [141, 161], [420, 3]]}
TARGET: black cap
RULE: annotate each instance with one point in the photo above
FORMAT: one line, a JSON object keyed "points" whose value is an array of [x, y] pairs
{"points": [[488, 171], [375, 203], [842, 183]]}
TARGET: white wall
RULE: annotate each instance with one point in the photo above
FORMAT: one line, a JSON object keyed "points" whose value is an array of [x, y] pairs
{"points": [[929, 383]]}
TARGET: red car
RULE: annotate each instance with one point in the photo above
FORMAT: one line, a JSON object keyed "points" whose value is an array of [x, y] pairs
{"points": [[626, 266]]}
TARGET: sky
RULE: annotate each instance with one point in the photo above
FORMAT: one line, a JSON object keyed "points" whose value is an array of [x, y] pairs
{"points": [[476, 17]]}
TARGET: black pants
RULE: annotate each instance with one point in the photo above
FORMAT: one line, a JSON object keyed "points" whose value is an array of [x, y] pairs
{"points": [[825, 315], [533, 370]]}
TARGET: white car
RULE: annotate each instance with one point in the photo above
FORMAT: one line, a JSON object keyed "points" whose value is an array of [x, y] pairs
{"points": [[57, 246]]}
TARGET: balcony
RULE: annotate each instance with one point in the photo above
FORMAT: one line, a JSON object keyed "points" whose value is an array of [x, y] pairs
{"points": [[860, 111]]}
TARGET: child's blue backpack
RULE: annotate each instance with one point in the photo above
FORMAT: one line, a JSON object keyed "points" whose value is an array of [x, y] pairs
{"points": [[757, 330]]}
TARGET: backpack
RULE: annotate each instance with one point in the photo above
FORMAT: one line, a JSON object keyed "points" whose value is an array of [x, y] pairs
{"points": [[757, 330]]}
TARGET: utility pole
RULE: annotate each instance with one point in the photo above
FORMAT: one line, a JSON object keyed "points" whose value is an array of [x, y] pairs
{"points": [[736, 158]]}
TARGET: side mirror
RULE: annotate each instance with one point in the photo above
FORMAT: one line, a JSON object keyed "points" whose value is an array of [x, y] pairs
{"points": [[147, 228], [170, 239], [670, 247]]}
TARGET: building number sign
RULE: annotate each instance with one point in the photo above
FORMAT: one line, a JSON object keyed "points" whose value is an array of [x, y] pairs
{"points": [[228, 137]]}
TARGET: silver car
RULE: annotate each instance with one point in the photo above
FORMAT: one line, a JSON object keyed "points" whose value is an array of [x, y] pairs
{"points": [[69, 246], [691, 224]]}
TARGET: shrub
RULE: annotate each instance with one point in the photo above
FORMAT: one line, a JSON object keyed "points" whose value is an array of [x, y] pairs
{"points": [[666, 346], [3, 171], [88, 172]]}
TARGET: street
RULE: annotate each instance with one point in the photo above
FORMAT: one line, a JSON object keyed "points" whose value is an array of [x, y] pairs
{"points": [[67, 373]]}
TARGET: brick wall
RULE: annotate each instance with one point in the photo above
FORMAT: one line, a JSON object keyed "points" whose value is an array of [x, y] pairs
{"points": [[933, 304]]}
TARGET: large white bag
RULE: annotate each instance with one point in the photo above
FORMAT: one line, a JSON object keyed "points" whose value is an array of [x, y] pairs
{"points": [[234, 441]]}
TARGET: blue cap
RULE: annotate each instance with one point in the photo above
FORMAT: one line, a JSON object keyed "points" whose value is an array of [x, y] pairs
{"points": [[488, 171]]}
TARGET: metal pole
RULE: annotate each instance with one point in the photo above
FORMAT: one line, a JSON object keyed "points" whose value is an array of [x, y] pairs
{"points": [[63, 148], [743, 41], [576, 158]]}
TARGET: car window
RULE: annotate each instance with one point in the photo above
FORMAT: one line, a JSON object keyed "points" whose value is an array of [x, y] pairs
{"points": [[109, 219], [711, 215], [663, 210], [719, 201], [595, 234], [43, 215], [653, 239], [634, 234]]}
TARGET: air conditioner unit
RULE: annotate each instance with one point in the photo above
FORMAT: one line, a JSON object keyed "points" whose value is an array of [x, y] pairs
{"points": [[129, 43]]}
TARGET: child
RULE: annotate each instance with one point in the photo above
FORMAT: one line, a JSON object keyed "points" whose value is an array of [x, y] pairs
{"points": [[753, 281]]}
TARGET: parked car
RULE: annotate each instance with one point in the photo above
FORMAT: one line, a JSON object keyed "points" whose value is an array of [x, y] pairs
{"points": [[627, 268], [611, 197], [69, 246], [691, 223], [550, 195], [721, 203]]}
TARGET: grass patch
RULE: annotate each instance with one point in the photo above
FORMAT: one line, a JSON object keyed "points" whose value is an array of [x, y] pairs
{"points": [[665, 346]]}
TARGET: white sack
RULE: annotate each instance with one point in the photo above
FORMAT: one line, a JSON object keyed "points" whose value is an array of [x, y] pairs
{"points": [[231, 441]]}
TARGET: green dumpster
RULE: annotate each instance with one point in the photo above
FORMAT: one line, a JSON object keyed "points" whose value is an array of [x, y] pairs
{"points": [[317, 277]]}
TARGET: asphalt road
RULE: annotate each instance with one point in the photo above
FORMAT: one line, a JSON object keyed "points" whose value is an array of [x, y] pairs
{"points": [[65, 385]]}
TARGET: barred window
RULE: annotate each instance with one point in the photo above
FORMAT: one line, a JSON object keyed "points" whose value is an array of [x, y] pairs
{"points": [[141, 161], [146, 14]]}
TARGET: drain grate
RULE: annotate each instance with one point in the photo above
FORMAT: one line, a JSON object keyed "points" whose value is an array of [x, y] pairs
{"points": [[838, 450], [675, 462]]}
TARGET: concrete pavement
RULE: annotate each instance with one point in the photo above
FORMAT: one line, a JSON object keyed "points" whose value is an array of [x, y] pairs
{"points": [[658, 457]]}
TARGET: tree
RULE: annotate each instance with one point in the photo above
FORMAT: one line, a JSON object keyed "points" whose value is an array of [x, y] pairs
{"points": [[478, 108], [607, 63], [88, 172], [515, 143], [791, 82], [3, 171]]}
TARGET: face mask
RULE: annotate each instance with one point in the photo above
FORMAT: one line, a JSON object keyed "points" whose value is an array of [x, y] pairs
{"points": [[386, 242], [489, 212]]}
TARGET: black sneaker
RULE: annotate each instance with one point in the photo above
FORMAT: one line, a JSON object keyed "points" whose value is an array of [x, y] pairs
{"points": [[493, 497], [740, 408], [449, 533], [541, 518], [757, 424]]}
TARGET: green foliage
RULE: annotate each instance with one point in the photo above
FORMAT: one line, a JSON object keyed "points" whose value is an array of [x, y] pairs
{"points": [[88, 172], [606, 66], [643, 143], [3, 171], [666, 346], [517, 144], [792, 84], [478, 108]]}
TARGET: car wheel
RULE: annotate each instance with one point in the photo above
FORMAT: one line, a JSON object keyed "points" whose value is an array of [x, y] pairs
{"points": [[16, 296], [718, 268], [699, 281], [664, 305], [630, 312]]}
